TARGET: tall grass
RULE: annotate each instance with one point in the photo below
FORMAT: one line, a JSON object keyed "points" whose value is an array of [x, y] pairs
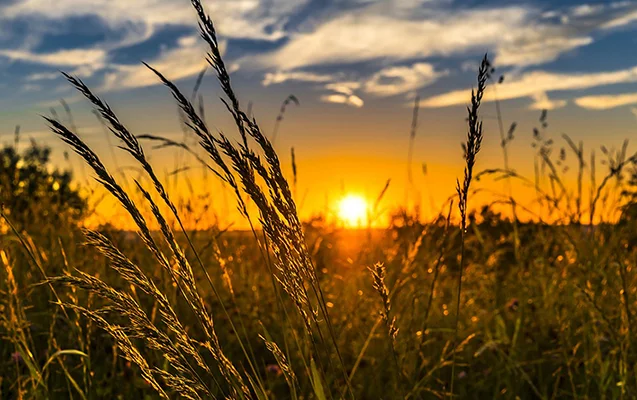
{"points": [[471, 149], [288, 309]]}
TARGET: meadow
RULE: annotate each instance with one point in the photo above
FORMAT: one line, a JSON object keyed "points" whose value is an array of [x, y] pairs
{"points": [[475, 303]]}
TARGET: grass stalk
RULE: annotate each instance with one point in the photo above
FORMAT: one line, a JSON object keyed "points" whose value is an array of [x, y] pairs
{"points": [[472, 147]]}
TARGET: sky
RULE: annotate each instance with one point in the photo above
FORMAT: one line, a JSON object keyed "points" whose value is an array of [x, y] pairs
{"points": [[356, 67]]}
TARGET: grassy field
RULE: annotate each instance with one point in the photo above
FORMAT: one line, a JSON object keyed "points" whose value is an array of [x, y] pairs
{"points": [[473, 304]]}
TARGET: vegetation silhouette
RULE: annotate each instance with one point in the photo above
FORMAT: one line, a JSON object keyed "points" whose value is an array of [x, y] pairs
{"points": [[35, 195]]}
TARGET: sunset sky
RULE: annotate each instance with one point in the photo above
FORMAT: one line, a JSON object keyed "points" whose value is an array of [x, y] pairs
{"points": [[355, 66]]}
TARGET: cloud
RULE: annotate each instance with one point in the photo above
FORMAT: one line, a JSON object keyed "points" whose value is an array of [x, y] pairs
{"points": [[253, 19], [350, 100], [347, 88], [620, 20], [604, 102], [283, 76], [397, 80], [42, 76], [126, 23], [79, 62], [61, 58], [535, 47], [388, 81], [535, 84], [585, 10], [598, 16], [183, 61], [393, 42], [541, 101], [375, 33], [345, 94]]}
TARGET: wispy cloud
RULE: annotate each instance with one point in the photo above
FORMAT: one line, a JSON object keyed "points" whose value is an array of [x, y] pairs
{"points": [[397, 80], [373, 33], [585, 10], [383, 32], [537, 46], [42, 76], [283, 76], [252, 19], [183, 61], [604, 102], [537, 83], [388, 81], [68, 58], [344, 87], [372, 47], [620, 20], [132, 23], [541, 101], [350, 100]]}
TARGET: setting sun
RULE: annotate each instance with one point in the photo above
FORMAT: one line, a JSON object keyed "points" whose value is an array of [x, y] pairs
{"points": [[352, 210]]}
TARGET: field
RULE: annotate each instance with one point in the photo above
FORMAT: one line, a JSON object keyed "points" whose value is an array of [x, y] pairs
{"points": [[475, 303]]}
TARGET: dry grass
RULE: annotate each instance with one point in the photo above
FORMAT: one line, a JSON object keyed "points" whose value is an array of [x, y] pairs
{"points": [[279, 313]]}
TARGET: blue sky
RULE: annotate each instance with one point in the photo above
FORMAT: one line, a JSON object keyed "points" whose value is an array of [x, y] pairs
{"points": [[356, 66], [345, 51]]}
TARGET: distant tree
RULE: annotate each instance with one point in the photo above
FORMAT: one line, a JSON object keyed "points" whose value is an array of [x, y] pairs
{"points": [[35, 195]]}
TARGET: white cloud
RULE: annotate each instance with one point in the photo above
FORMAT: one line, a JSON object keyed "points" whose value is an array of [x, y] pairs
{"points": [[397, 80], [186, 60], [585, 10], [541, 101], [389, 81], [517, 34], [550, 14], [345, 93], [620, 20], [604, 102], [66, 58], [188, 41], [271, 78], [347, 88], [387, 32], [135, 21], [537, 46], [43, 76], [534, 84], [252, 19], [234, 67], [351, 100]]}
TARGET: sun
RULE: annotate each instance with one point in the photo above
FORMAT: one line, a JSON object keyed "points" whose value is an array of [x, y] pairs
{"points": [[352, 210]]}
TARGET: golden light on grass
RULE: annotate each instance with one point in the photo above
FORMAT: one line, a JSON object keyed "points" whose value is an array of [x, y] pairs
{"points": [[352, 210]]}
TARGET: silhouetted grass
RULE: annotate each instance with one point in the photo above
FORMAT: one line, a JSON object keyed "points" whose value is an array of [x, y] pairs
{"points": [[288, 309]]}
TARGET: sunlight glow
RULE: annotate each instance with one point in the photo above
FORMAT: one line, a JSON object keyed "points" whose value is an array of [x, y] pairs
{"points": [[352, 210]]}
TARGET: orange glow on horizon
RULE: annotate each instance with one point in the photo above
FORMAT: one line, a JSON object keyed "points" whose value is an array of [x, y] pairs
{"points": [[343, 190]]}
